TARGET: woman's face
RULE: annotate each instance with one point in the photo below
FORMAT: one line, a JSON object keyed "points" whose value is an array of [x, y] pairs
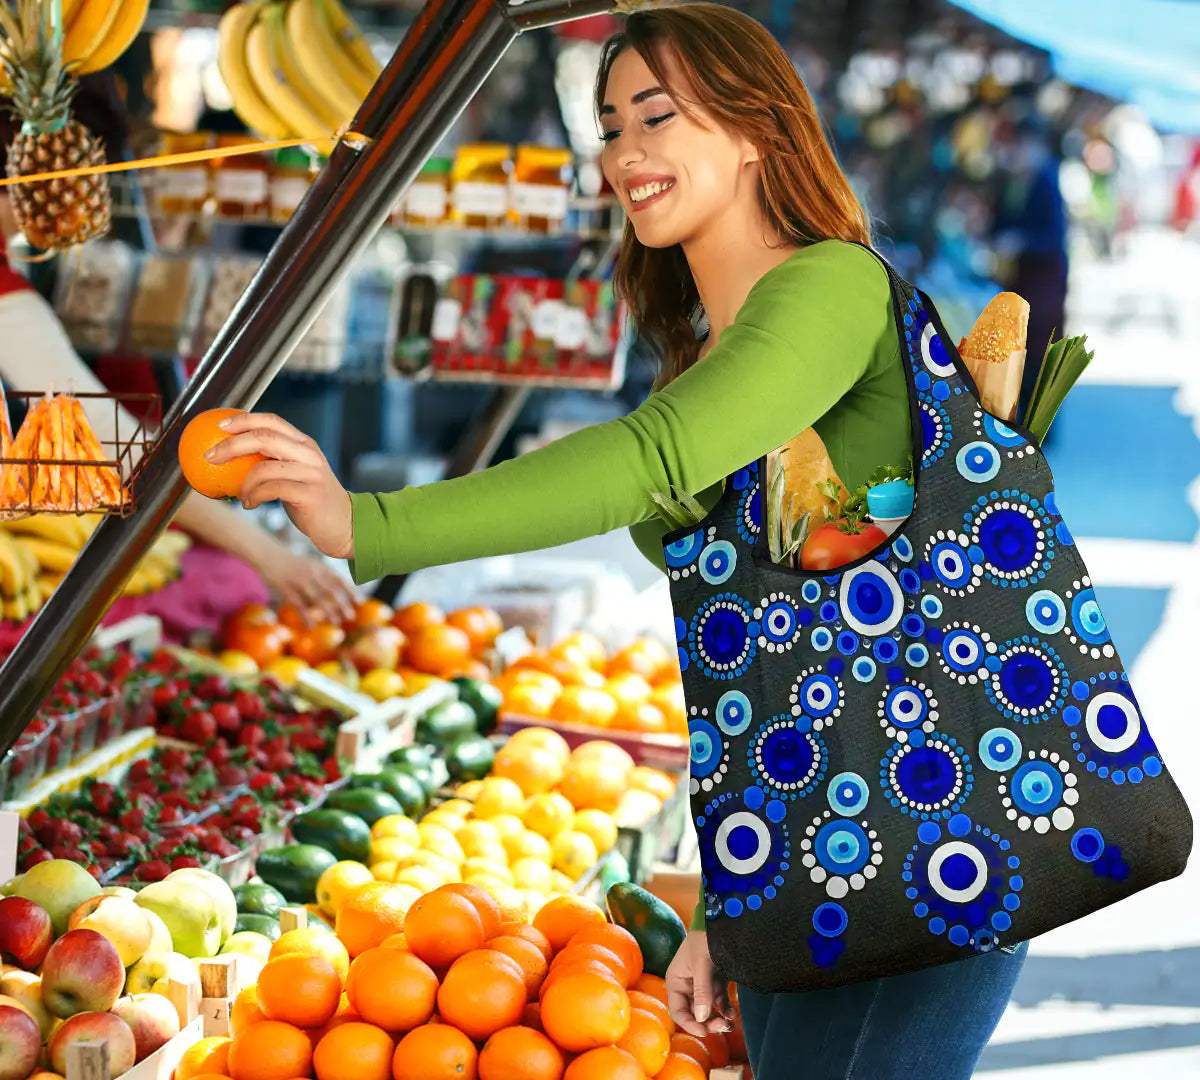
{"points": [[675, 173]]}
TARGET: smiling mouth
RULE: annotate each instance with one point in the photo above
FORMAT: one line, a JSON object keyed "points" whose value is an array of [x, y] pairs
{"points": [[646, 193]]}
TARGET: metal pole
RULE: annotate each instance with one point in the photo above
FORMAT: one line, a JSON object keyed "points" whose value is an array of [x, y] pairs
{"points": [[440, 64]]}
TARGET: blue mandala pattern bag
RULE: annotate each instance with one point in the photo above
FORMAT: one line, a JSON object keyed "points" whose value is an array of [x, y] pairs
{"points": [[929, 753]]}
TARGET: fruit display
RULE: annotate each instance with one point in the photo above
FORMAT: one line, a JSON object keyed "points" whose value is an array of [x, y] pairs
{"points": [[53, 214], [298, 69]]}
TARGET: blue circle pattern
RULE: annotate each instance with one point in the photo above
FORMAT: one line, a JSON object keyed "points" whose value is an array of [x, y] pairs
{"points": [[1028, 681], [1015, 537], [1107, 731], [723, 636], [787, 757], [745, 850], [927, 777]]}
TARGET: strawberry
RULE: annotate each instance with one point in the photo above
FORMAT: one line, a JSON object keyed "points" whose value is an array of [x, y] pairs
{"points": [[154, 870], [266, 784], [281, 761], [229, 776], [227, 716], [214, 688], [249, 706], [199, 727], [251, 735]]}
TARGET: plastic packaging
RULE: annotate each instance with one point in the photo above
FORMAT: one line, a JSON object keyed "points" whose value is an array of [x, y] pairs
{"points": [[164, 302], [890, 504], [541, 188], [92, 297]]}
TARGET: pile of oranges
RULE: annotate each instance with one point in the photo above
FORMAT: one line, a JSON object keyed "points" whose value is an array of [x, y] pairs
{"points": [[637, 689], [460, 993]]}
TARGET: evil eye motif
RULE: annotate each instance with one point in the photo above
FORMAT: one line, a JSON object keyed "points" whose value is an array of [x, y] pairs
{"points": [[718, 562], [1028, 681], [818, 696], [1040, 794], [848, 794], [841, 854], [906, 710], [933, 352], [1086, 628], [744, 851], [871, 600], [999, 749], [1011, 442], [1046, 612], [722, 637], [964, 653], [779, 622], [682, 555], [1107, 731], [951, 563], [978, 462], [932, 779], [788, 758], [1014, 536], [734, 712]]}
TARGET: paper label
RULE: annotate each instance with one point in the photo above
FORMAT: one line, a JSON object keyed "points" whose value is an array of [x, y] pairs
{"points": [[474, 198], [572, 328], [241, 186], [287, 192], [540, 200], [426, 200], [191, 184], [545, 319], [447, 317]]}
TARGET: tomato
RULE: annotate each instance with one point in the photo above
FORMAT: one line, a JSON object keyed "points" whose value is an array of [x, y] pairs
{"points": [[827, 547]]}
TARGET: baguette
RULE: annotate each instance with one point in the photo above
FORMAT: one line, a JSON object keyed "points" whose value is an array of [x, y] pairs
{"points": [[994, 353]]}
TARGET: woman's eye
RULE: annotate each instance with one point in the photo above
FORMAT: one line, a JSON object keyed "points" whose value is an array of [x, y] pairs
{"points": [[654, 121], [608, 136]]}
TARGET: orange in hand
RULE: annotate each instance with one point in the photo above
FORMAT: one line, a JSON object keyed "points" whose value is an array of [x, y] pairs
{"points": [[222, 481]]}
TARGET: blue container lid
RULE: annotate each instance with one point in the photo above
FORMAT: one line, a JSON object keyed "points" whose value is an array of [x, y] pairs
{"points": [[891, 500]]}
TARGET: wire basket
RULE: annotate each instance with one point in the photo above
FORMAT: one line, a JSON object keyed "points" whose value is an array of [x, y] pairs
{"points": [[97, 480]]}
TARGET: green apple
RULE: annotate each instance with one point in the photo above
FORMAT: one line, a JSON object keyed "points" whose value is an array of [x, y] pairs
{"points": [[154, 970], [190, 915], [9, 888], [119, 890], [60, 886], [217, 888], [160, 936], [249, 943]]}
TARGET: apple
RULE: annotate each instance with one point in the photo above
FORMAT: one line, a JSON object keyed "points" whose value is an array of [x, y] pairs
{"points": [[160, 936], [152, 1019], [20, 1043], [43, 1074], [119, 890], [374, 647], [25, 931], [249, 943], [59, 886], [190, 915], [9, 888], [154, 970], [120, 920], [25, 988], [82, 972], [94, 1026], [218, 889]]}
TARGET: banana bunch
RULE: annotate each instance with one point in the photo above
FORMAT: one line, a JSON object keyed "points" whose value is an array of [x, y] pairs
{"points": [[99, 31], [19, 589], [159, 566], [295, 69]]}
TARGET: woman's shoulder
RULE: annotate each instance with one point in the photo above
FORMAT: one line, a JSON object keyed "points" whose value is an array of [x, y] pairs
{"points": [[833, 260]]}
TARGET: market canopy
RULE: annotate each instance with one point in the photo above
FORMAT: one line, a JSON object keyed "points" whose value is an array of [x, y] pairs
{"points": [[1140, 51]]}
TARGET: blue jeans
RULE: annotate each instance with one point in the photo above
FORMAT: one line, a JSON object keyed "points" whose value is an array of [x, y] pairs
{"points": [[930, 1024]]}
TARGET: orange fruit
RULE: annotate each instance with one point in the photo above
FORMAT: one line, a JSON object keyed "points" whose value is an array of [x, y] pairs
{"points": [[246, 1010], [413, 617], [300, 990], [593, 785], [270, 1051], [578, 965], [544, 739], [588, 705], [547, 813], [643, 1001], [718, 1049], [210, 1055], [317, 643], [605, 1063], [392, 989], [583, 1009], [520, 1053], [572, 954], [438, 648], [371, 612], [604, 750], [645, 657], [647, 1040], [616, 939], [590, 645], [654, 985], [396, 941], [482, 901], [528, 933], [533, 769], [435, 1052], [629, 690], [214, 481], [371, 914], [482, 993], [646, 718], [564, 916], [313, 942], [528, 956], [346, 1014], [441, 926], [657, 783], [481, 625], [669, 698], [529, 699], [354, 1052], [690, 1046], [679, 1067], [532, 1016]]}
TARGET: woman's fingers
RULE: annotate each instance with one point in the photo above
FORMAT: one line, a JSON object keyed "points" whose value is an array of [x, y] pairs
{"points": [[272, 444], [289, 481], [251, 421]]}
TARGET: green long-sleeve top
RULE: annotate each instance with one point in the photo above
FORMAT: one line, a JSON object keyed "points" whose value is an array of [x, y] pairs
{"points": [[814, 345]]}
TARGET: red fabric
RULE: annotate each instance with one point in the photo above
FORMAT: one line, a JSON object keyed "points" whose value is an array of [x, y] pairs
{"points": [[597, 28], [10, 280]]}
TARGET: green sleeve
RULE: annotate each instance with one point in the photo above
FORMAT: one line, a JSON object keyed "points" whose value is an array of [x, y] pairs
{"points": [[806, 333], [698, 922]]}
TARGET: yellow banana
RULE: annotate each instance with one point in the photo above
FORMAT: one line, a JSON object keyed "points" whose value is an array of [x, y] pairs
{"points": [[353, 74], [87, 29], [284, 60], [315, 51], [17, 609], [69, 7], [347, 34], [248, 103], [29, 561], [46, 585], [62, 528], [12, 567], [50, 554], [131, 15], [285, 103]]}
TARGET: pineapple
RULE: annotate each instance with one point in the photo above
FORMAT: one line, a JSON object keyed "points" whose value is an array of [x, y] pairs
{"points": [[53, 214]]}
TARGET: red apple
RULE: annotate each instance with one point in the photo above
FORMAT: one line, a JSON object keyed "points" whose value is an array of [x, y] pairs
{"points": [[118, 919], [20, 1043], [97, 1026], [152, 1019], [25, 931], [82, 972], [374, 647]]}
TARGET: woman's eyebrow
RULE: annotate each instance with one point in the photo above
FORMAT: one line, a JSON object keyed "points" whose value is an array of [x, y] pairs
{"points": [[637, 99]]}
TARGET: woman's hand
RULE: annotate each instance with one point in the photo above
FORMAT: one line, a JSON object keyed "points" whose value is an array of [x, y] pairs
{"points": [[309, 584], [297, 475], [697, 1000]]}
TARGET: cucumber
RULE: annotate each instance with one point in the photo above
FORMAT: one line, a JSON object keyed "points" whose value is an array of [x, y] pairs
{"points": [[402, 786], [256, 899], [411, 755], [365, 803], [343, 834], [294, 870], [260, 924], [484, 700], [470, 758], [446, 723], [658, 930]]}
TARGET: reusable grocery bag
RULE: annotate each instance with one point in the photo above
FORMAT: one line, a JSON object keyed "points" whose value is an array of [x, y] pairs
{"points": [[930, 752]]}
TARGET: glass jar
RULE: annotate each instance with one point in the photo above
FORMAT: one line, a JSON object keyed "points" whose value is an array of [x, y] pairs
{"points": [[426, 204], [541, 188], [479, 185], [242, 183], [291, 175], [184, 189]]}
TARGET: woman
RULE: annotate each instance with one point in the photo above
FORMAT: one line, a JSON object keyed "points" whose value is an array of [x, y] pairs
{"points": [[738, 209]]}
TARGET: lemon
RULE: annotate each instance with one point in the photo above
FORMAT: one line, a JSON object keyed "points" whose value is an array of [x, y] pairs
{"points": [[499, 795], [574, 853], [237, 663], [396, 825], [507, 825], [408, 894], [534, 901], [462, 808], [528, 845], [636, 808], [418, 681], [441, 842], [470, 790], [530, 873], [476, 837], [341, 672], [513, 907], [338, 882], [489, 867], [560, 883], [445, 869], [391, 848], [450, 822], [599, 826], [380, 684], [286, 669], [420, 878], [384, 870], [548, 814]]}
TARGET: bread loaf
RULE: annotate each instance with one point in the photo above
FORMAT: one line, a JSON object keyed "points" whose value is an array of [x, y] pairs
{"points": [[994, 353]]}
